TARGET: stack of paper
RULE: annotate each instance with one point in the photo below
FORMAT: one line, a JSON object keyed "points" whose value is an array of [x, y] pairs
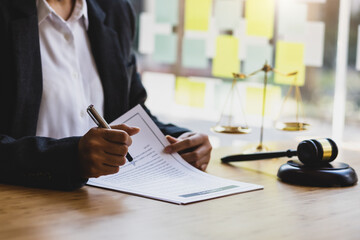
{"points": [[163, 176]]}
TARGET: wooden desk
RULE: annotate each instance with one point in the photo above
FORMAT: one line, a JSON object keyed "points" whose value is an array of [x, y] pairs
{"points": [[280, 211]]}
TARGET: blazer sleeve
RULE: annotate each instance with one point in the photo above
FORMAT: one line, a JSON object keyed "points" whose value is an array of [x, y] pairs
{"points": [[138, 93], [40, 162]]}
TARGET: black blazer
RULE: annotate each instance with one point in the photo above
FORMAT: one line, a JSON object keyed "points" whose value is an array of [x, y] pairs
{"points": [[52, 163]]}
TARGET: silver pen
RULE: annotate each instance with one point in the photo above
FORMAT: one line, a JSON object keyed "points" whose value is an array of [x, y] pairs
{"points": [[100, 121]]}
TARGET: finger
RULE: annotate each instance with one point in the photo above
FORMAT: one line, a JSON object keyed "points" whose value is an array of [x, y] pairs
{"points": [[117, 136], [114, 161], [187, 143], [171, 139], [196, 155], [129, 130], [202, 163], [115, 148], [107, 170]]}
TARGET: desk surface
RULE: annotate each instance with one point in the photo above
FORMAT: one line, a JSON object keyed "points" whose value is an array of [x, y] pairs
{"points": [[280, 211]]}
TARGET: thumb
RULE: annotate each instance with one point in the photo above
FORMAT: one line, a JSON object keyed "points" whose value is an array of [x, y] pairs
{"points": [[171, 139], [129, 130]]}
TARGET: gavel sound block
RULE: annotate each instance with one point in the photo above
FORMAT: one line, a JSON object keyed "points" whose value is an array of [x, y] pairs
{"points": [[312, 169]]}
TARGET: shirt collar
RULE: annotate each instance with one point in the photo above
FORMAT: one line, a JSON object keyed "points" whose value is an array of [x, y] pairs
{"points": [[80, 11]]}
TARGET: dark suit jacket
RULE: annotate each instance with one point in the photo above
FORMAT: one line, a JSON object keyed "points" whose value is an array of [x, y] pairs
{"points": [[52, 163]]}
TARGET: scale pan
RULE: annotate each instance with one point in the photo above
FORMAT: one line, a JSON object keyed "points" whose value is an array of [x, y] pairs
{"points": [[292, 126], [231, 129]]}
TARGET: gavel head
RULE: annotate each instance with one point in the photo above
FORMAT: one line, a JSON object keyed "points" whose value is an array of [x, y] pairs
{"points": [[317, 151]]}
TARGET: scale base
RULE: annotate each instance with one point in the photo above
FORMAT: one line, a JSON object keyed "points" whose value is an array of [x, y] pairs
{"points": [[292, 126], [328, 175], [231, 129]]}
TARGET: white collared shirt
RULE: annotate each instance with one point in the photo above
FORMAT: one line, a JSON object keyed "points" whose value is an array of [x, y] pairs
{"points": [[70, 78]]}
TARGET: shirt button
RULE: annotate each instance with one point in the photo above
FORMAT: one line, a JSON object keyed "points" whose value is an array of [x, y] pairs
{"points": [[82, 113], [75, 75], [67, 37]]}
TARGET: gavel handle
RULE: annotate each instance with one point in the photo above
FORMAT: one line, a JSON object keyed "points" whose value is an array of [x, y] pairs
{"points": [[258, 156]]}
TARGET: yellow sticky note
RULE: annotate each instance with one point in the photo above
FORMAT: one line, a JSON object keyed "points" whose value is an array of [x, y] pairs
{"points": [[254, 100], [260, 16], [290, 58], [197, 14], [226, 60], [190, 93]]}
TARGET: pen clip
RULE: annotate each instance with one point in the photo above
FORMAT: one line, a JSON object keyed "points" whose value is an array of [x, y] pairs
{"points": [[92, 115]]}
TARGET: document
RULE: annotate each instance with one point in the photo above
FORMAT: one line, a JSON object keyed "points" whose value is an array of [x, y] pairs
{"points": [[167, 177]]}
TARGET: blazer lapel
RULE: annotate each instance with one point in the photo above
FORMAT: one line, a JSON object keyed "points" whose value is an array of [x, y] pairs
{"points": [[107, 53], [28, 74]]}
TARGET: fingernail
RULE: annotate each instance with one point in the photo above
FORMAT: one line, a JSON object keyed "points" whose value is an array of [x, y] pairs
{"points": [[168, 149], [203, 167]]}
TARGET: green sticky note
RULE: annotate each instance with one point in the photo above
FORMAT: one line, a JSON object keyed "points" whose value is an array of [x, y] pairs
{"points": [[165, 48], [227, 14], [194, 53], [226, 61], [197, 14], [257, 56], [260, 16], [167, 11], [290, 58]]}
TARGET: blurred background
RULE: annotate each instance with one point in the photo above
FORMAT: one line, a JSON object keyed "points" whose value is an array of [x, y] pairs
{"points": [[188, 49]]}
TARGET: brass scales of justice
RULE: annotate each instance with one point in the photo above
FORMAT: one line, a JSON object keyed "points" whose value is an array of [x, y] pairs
{"points": [[230, 128]]}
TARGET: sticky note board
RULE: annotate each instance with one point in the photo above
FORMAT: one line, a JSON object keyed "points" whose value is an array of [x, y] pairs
{"points": [[311, 1], [227, 14], [314, 44], [194, 53], [240, 33], [254, 100], [165, 48], [292, 19], [190, 93], [358, 51], [197, 14], [167, 11], [290, 58], [160, 88], [226, 61], [260, 16], [212, 34], [256, 56], [146, 33]]}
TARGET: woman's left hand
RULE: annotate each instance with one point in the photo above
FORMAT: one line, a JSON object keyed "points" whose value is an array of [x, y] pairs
{"points": [[195, 148]]}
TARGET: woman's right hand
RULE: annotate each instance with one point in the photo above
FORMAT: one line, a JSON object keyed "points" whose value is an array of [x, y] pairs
{"points": [[102, 151]]}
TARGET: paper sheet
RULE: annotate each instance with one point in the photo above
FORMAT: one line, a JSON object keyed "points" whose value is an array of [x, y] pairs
{"points": [[226, 61], [314, 44], [292, 19], [228, 13], [260, 15], [163, 176], [197, 14], [160, 89]]}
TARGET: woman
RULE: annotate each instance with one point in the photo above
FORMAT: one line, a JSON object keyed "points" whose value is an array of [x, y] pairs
{"points": [[57, 57]]}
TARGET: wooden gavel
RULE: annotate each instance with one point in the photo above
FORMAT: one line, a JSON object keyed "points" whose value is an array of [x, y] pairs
{"points": [[310, 152]]}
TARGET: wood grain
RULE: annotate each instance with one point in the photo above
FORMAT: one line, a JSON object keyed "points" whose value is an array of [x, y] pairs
{"points": [[280, 211]]}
